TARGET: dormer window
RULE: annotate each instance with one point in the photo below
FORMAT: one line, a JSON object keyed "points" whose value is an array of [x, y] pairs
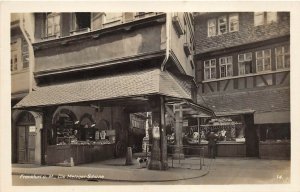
{"points": [[223, 24], [262, 18]]}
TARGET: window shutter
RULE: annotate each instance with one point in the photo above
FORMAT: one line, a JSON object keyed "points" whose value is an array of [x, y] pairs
{"points": [[97, 20], [128, 16]]}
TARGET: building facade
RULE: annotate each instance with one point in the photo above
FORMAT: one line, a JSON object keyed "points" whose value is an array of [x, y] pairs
{"points": [[22, 62], [92, 71], [243, 74]]}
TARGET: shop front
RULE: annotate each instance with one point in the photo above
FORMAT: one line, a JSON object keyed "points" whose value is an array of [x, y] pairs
{"points": [[231, 134], [274, 133], [94, 123], [80, 134]]}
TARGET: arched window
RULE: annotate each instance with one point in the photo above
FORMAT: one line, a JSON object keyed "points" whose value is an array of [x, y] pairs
{"points": [[64, 126]]}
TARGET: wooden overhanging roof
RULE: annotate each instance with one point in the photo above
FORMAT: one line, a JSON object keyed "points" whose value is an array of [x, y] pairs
{"points": [[122, 86]]}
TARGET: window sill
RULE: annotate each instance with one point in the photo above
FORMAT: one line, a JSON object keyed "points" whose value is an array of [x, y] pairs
{"points": [[221, 34], [20, 71], [247, 75]]}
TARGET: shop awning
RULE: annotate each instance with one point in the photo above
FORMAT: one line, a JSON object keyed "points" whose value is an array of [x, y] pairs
{"points": [[272, 117], [268, 104], [133, 84]]}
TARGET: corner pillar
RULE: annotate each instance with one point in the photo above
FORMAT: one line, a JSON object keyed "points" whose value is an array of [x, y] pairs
{"points": [[159, 140]]}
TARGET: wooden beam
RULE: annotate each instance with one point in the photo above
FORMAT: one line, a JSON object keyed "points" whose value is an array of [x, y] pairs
{"points": [[210, 87], [226, 85], [264, 80], [284, 77], [170, 111]]}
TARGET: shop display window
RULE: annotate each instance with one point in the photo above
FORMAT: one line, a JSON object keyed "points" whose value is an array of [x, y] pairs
{"points": [[68, 131], [227, 129]]}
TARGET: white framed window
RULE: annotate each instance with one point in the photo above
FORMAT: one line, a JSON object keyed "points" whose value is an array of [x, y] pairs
{"points": [[233, 22], [263, 60], [53, 24], [211, 26], [14, 61], [261, 18], [271, 17], [222, 25], [210, 69], [245, 63], [282, 56], [226, 66], [16, 55]]}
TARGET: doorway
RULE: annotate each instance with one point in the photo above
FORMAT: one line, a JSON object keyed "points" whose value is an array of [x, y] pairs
{"points": [[26, 138]]}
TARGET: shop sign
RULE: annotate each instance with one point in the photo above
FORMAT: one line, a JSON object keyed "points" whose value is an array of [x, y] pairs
{"points": [[31, 129], [155, 130]]}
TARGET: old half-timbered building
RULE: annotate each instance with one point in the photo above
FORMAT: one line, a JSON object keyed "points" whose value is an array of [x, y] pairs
{"points": [[91, 71], [243, 74]]}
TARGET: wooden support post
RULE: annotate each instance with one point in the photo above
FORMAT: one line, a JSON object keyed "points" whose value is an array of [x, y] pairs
{"points": [[178, 153], [159, 142]]}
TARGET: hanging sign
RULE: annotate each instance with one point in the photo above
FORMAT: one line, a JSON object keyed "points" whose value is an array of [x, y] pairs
{"points": [[31, 129], [155, 131]]}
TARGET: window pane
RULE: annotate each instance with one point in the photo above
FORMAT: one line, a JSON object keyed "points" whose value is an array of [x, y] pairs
{"points": [[212, 31], [206, 63], [213, 62], [241, 57], [248, 56], [268, 64], [222, 60], [213, 72], [267, 53], [223, 71], [50, 21], [233, 22], [211, 22], [287, 61], [222, 29], [222, 25], [206, 73], [278, 50], [259, 54], [258, 18], [229, 70], [259, 65], [271, 17], [211, 27], [287, 49], [241, 68], [248, 67], [229, 59], [279, 62]]}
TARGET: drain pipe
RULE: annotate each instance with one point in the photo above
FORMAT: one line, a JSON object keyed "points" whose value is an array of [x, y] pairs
{"points": [[168, 40]]}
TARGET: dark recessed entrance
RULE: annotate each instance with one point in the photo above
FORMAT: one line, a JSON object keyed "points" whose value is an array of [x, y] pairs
{"points": [[26, 138]]}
